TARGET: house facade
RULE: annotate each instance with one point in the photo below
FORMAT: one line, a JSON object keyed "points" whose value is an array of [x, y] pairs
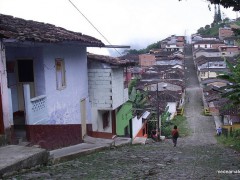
{"points": [[211, 67], [50, 101], [106, 93], [229, 52], [147, 60], [225, 32], [208, 44]]}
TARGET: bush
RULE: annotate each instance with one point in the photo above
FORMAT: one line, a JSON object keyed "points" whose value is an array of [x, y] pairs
{"points": [[180, 122], [236, 133], [229, 141]]}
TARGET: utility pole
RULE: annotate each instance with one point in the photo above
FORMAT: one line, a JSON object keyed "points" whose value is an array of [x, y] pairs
{"points": [[208, 68], [158, 128]]}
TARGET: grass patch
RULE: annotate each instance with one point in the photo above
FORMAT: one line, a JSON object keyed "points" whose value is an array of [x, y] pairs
{"points": [[180, 121], [230, 141]]}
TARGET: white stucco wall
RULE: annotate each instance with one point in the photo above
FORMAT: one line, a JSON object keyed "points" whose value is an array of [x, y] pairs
{"points": [[172, 109], [205, 46], [117, 87], [136, 125], [4, 88], [164, 86], [64, 105], [169, 62], [216, 64], [97, 122], [205, 75], [106, 88]]}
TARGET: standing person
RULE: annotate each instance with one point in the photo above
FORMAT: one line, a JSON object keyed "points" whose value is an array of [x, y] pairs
{"points": [[219, 131], [175, 135]]}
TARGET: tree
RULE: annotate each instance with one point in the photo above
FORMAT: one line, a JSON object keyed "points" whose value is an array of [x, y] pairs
{"points": [[137, 98], [235, 4], [226, 20], [232, 91], [201, 30], [131, 84], [207, 26]]}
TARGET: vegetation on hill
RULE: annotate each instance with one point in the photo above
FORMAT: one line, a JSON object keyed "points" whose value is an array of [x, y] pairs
{"points": [[235, 4], [145, 50], [212, 30]]}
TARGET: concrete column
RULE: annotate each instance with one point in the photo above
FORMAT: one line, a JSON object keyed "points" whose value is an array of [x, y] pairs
{"points": [[10, 106], [26, 90]]}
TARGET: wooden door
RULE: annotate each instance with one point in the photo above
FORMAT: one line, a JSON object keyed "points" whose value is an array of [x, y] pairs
{"points": [[114, 131]]}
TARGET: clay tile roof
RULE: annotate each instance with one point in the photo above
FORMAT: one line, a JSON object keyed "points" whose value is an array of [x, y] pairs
{"points": [[203, 59], [110, 60], [28, 30], [209, 42]]}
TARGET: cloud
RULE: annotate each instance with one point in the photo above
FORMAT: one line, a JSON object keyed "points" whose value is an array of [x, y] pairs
{"points": [[128, 22]]}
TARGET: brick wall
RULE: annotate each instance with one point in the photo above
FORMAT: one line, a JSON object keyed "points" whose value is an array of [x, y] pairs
{"points": [[147, 60]]}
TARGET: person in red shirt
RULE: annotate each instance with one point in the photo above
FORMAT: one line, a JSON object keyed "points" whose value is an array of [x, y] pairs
{"points": [[175, 135]]}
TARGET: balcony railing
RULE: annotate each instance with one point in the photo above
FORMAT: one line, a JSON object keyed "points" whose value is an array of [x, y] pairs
{"points": [[36, 108]]}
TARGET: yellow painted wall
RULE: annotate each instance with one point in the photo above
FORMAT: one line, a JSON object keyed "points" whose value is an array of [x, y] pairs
{"points": [[234, 126]]}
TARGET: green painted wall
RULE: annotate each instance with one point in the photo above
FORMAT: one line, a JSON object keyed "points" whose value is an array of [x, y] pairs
{"points": [[124, 115]]}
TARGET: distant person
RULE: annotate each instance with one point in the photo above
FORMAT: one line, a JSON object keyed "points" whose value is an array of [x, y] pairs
{"points": [[175, 135], [154, 135], [219, 131]]}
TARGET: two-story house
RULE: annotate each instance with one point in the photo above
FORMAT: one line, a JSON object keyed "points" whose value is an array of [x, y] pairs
{"points": [[222, 51], [211, 67], [107, 94]]}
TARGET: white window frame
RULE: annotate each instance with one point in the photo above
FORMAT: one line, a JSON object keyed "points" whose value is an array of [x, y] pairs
{"points": [[60, 74]]}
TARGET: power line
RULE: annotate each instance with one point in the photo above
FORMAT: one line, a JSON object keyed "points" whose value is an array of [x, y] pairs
{"points": [[92, 25]]}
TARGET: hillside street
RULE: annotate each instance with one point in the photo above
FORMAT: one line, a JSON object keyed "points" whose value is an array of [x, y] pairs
{"points": [[197, 156]]}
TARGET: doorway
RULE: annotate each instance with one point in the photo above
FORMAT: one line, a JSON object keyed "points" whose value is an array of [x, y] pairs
{"points": [[24, 75]]}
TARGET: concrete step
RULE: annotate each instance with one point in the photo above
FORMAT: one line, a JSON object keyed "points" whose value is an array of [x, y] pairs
{"points": [[92, 140], [139, 140], [120, 141], [14, 158]]}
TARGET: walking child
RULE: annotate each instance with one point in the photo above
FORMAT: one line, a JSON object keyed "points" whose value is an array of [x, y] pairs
{"points": [[175, 135]]}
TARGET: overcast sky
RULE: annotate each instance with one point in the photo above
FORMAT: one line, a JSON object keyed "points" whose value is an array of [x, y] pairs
{"points": [[123, 22]]}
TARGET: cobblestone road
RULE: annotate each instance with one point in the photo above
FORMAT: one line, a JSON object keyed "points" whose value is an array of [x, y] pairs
{"points": [[197, 156]]}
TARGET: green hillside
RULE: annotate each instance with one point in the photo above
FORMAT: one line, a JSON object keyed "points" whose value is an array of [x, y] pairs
{"points": [[212, 30]]}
